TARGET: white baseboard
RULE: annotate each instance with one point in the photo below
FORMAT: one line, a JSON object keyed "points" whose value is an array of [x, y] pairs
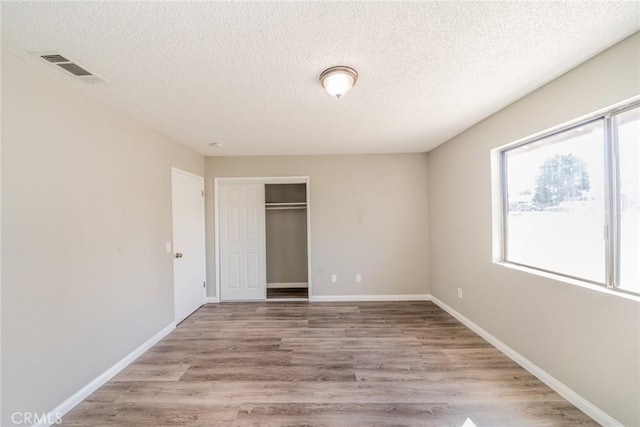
{"points": [[574, 398], [364, 298], [98, 382], [211, 300]]}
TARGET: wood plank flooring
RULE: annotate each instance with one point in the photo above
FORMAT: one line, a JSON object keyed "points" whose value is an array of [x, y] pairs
{"points": [[324, 364]]}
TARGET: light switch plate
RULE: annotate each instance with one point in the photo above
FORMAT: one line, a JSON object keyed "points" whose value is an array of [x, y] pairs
{"points": [[334, 278]]}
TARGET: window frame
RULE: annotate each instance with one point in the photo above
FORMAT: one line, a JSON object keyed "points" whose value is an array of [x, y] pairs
{"points": [[612, 199]]}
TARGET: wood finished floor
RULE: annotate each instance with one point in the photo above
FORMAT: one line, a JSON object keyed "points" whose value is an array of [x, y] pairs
{"points": [[324, 364]]}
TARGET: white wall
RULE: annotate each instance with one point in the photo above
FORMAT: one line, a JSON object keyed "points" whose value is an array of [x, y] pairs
{"points": [[587, 339], [368, 216], [86, 202]]}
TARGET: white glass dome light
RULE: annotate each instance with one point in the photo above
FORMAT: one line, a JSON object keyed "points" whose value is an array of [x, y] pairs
{"points": [[338, 80]]}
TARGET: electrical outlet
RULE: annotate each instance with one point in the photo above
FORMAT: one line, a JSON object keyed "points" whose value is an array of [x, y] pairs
{"points": [[358, 278], [334, 278], [460, 293], [167, 247]]}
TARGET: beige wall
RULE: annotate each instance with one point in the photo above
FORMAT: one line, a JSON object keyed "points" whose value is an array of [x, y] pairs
{"points": [[587, 339], [86, 205], [286, 232], [368, 216]]}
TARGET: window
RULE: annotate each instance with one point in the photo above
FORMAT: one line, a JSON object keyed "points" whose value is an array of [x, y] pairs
{"points": [[626, 135], [571, 201]]}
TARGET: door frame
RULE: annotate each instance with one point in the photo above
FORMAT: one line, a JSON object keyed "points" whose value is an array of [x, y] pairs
{"points": [[204, 237], [217, 181]]}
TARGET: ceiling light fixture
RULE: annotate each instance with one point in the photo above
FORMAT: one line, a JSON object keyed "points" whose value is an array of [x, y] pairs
{"points": [[216, 145], [338, 80]]}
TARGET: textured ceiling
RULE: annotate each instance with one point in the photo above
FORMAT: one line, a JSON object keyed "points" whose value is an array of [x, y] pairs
{"points": [[246, 74]]}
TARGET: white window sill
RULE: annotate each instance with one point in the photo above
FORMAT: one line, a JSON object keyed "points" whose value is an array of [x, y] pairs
{"points": [[569, 280]]}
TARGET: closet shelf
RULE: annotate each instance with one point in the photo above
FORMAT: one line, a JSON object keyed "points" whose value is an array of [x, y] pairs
{"points": [[283, 206], [287, 204]]}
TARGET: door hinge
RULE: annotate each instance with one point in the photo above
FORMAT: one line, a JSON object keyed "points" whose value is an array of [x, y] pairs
{"points": [[204, 284], [202, 193]]}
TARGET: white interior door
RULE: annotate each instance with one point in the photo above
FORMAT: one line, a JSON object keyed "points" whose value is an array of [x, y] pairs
{"points": [[187, 201], [242, 242]]}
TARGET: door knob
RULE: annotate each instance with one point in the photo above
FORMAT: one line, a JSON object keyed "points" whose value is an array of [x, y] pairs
{"points": [[178, 255]]}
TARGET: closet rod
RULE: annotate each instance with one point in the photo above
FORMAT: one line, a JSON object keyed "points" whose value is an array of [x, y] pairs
{"points": [[286, 204]]}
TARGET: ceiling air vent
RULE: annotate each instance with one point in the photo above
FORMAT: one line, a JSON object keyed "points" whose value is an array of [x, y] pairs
{"points": [[60, 61], [54, 58]]}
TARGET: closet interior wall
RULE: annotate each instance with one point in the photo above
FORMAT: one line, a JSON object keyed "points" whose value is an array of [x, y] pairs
{"points": [[286, 235]]}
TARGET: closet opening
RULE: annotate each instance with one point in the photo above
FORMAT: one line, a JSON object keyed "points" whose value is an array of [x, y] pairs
{"points": [[262, 238], [286, 241]]}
